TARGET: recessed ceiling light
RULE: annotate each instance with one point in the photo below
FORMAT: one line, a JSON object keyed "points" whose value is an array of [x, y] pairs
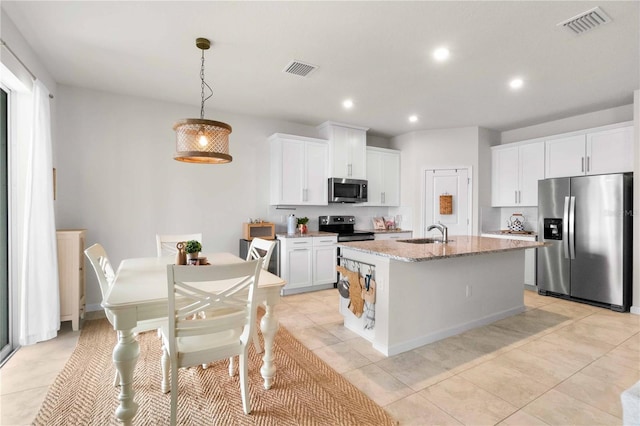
{"points": [[441, 54], [516, 83], [348, 103], [413, 118]]}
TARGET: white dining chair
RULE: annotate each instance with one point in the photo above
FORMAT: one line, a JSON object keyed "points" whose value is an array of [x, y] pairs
{"points": [[104, 272], [260, 249], [227, 293], [166, 243]]}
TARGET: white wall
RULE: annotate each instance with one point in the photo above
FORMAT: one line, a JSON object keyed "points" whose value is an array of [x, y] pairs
{"points": [[117, 177], [570, 124], [429, 149]]}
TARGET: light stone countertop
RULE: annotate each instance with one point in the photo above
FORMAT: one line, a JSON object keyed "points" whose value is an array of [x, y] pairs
{"points": [[307, 235], [460, 246]]}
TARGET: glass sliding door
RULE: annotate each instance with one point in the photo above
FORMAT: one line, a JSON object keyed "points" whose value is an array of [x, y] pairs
{"points": [[6, 343]]}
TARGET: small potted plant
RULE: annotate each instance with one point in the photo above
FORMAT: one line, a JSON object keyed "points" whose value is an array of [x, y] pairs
{"points": [[302, 224], [192, 247]]}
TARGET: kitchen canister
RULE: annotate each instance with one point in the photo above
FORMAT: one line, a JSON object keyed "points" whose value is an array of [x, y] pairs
{"points": [[292, 223]]}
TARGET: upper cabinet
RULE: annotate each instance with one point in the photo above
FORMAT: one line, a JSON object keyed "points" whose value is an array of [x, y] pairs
{"points": [[515, 171], [347, 149], [383, 175], [299, 170], [593, 152]]}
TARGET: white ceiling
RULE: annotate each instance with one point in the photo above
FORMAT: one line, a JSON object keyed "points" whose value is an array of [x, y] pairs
{"points": [[376, 53]]}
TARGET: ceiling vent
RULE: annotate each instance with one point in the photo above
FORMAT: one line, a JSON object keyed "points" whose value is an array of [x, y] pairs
{"points": [[586, 21], [299, 68]]}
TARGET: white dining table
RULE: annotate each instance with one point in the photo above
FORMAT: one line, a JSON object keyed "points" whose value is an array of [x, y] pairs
{"points": [[139, 292]]}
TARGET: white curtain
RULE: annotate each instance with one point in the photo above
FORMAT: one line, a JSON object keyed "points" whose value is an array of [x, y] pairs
{"points": [[39, 295]]}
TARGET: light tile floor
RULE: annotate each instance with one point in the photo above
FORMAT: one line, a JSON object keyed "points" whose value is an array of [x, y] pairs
{"points": [[557, 363]]}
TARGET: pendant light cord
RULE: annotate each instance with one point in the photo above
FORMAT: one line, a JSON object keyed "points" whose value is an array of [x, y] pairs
{"points": [[202, 85]]}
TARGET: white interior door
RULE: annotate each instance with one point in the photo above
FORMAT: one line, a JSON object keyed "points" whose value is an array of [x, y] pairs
{"points": [[445, 182]]}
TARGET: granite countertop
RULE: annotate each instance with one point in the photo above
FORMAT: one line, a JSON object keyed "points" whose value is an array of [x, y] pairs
{"points": [[385, 231], [307, 235], [460, 246]]}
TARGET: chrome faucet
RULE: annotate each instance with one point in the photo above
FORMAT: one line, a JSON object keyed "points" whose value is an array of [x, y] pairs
{"points": [[440, 227]]}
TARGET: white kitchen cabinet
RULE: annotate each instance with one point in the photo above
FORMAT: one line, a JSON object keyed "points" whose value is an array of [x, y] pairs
{"points": [[308, 263], [608, 149], [297, 262], [383, 176], [347, 149], [565, 156], [400, 235], [299, 170], [515, 171], [71, 278], [325, 251]]}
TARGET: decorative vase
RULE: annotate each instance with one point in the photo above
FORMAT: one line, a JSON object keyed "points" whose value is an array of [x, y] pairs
{"points": [[192, 258], [181, 256], [302, 228]]}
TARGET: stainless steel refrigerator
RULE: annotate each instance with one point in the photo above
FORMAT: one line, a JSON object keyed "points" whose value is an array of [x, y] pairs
{"points": [[587, 223]]}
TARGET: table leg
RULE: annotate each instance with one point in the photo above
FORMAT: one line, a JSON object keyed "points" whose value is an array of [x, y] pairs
{"points": [[269, 326], [125, 356]]}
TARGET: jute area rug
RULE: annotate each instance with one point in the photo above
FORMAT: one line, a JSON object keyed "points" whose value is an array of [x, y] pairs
{"points": [[306, 391]]}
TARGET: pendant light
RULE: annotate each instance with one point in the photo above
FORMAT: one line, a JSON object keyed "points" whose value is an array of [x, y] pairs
{"points": [[199, 140]]}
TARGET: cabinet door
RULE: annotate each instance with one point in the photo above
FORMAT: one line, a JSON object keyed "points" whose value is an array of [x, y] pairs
{"points": [[504, 176], [316, 179], [293, 172], [531, 164], [565, 157], [324, 264], [374, 178], [391, 179], [299, 267], [340, 152], [357, 147], [610, 151]]}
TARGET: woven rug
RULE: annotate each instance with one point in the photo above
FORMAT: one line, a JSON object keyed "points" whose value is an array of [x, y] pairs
{"points": [[305, 391]]}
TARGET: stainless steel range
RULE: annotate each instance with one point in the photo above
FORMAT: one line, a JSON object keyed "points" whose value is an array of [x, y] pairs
{"points": [[344, 227]]}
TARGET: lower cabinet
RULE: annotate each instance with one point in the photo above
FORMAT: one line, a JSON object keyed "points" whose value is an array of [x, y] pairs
{"points": [[308, 263], [71, 275], [392, 235]]}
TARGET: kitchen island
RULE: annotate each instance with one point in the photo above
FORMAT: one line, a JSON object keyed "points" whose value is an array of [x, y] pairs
{"points": [[429, 291]]}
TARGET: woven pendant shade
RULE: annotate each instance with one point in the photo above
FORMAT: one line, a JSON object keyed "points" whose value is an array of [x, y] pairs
{"points": [[199, 140], [202, 141]]}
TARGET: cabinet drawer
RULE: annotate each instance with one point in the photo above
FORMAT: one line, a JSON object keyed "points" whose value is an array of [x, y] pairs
{"points": [[324, 241], [296, 243]]}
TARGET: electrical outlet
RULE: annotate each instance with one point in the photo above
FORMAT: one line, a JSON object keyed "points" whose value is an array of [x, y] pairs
{"points": [[282, 219], [468, 291]]}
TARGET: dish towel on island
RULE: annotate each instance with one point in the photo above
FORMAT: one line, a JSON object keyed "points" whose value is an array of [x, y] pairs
{"points": [[356, 303]]}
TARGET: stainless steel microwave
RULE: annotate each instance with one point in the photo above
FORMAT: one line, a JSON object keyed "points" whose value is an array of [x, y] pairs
{"points": [[347, 190]]}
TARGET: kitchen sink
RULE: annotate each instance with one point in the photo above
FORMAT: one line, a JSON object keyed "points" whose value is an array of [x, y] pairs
{"points": [[423, 241]]}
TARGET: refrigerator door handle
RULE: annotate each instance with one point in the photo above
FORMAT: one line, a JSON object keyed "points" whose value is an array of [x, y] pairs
{"points": [[565, 227], [572, 227]]}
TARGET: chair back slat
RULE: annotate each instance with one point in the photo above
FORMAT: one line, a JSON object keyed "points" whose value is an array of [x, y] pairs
{"points": [[226, 293], [104, 272], [166, 243], [261, 249]]}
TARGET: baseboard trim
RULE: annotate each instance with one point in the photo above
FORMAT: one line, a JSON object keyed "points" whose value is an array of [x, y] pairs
{"points": [[635, 310]]}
